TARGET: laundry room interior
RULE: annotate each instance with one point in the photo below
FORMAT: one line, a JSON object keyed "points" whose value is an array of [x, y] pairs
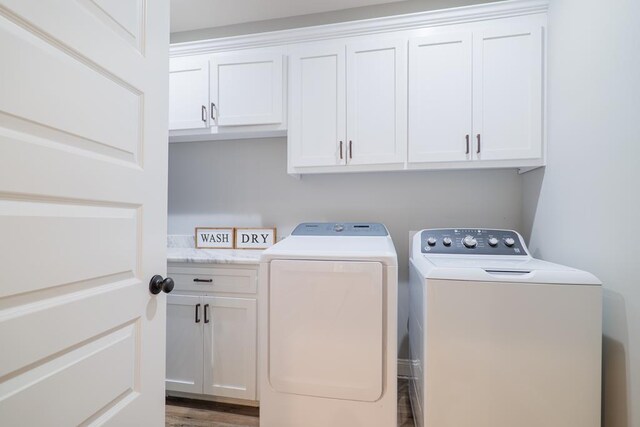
{"points": [[567, 210], [291, 213]]}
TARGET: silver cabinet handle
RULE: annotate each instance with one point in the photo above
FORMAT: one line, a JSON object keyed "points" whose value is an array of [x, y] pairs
{"points": [[478, 137], [340, 150], [203, 114], [467, 139], [213, 107]]}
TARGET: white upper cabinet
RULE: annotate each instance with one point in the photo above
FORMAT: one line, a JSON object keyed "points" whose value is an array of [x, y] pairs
{"points": [[188, 92], [440, 106], [317, 108], [246, 89], [507, 92], [449, 89], [376, 102], [348, 105]]}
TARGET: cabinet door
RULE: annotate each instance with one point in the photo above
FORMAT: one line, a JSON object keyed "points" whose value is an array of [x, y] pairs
{"points": [[507, 93], [317, 125], [188, 93], [230, 347], [376, 102], [184, 343], [246, 89], [440, 106]]}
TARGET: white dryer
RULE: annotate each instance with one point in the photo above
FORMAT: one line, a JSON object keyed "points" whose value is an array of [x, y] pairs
{"points": [[328, 328], [498, 338]]}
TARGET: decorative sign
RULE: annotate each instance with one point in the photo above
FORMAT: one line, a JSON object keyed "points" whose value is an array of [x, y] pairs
{"points": [[214, 238], [255, 238]]}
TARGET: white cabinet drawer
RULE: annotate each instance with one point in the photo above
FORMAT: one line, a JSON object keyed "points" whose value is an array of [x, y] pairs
{"points": [[212, 279]]}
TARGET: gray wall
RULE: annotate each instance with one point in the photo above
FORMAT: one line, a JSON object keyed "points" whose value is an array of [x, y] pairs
{"points": [[356, 13], [244, 183], [584, 210]]}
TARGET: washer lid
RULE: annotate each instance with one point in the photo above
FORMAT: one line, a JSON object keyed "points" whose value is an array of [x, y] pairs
{"points": [[501, 269]]}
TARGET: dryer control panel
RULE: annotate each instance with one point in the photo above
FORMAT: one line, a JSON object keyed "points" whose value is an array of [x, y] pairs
{"points": [[471, 241], [340, 229]]}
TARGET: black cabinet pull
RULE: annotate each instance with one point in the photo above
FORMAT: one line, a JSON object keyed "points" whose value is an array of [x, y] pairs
{"points": [[206, 313], [478, 136], [203, 280], [350, 150], [197, 313], [467, 139]]}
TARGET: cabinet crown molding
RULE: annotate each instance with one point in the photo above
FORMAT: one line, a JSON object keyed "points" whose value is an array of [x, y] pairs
{"points": [[501, 9]]}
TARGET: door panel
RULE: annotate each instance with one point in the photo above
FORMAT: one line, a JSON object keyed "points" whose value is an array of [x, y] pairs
{"points": [[247, 89], [507, 93], [440, 105], [328, 349], [75, 405], [189, 93], [81, 194], [184, 343], [230, 347], [317, 110], [376, 102], [106, 118]]}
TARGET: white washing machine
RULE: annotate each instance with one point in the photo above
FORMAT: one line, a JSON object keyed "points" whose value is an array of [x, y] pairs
{"points": [[498, 338], [328, 334]]}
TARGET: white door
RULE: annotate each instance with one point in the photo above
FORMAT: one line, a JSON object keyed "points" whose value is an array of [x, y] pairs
{"points": [[440, 106], [376, 102], [184, 343], [326, 329], [246, 89], [317, 126], [230, 347], [83, 201], [189, 92], [507, 92]]}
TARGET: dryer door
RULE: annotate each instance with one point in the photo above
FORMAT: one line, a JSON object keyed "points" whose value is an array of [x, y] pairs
{"points": [[326, 328]]}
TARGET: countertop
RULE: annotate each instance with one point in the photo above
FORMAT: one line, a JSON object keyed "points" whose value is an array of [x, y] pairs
{"points": [[181, 249]]}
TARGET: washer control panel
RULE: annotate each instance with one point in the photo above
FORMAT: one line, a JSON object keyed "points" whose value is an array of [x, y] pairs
{"points": [[471, 241]]}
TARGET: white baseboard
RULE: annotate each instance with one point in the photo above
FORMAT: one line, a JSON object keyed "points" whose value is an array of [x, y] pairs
{"points": [[404, 368]]}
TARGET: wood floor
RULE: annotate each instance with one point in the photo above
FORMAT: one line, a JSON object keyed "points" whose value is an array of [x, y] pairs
{"points": [[198, 413]]}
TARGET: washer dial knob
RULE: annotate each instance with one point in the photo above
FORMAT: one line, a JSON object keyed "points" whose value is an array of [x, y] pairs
{"points": [[431, 241], [493, 241], [470, 242], [447, 241], [509, 241]]}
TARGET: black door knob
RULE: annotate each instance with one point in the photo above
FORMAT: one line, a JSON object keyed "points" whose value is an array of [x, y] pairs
{"points": [[158, 284]]}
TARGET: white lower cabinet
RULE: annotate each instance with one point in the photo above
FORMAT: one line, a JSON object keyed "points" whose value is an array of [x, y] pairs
{"points": [[230, 347], [212, 336], [184, 343]]}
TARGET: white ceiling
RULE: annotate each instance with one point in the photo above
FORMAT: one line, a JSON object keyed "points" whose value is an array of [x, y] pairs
{"points": [[196, 14]]}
